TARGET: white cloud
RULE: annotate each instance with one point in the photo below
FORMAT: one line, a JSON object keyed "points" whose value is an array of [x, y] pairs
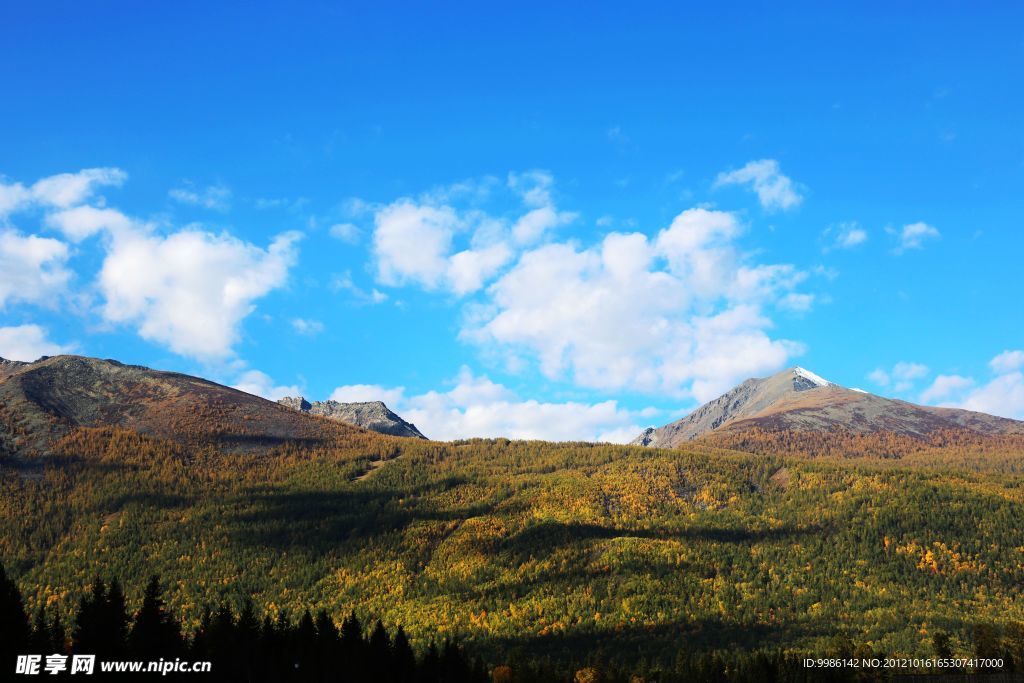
{"points": [[909, 371], [468, 270], [27, 343], [346, 232], [1008, 361], [32, 269], [797, 302], [774, 190], [215, 197], [879, 377], [680, 314], [307, 327], [192, 289], [83, 222], [847, 236], [344, 282], [260, 384], [61, 190], [363, 393], [902, 376], [914, 235], [1003, 396], [478, 407], [944, 386], [414, 241], [532, 226]]}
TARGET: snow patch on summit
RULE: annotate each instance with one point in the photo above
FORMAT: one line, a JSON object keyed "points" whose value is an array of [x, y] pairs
{"points": [[811, 377]]}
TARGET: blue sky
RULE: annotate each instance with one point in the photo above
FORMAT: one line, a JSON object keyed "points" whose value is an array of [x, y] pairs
{"points": [[561, 222]]}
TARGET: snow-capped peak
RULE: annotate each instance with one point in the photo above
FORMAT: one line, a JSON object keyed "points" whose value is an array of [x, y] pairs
{"points": [[811, 377]]}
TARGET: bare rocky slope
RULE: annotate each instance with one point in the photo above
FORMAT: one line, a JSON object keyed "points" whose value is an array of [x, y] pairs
{"points": [[370, 415], [797, 399]]}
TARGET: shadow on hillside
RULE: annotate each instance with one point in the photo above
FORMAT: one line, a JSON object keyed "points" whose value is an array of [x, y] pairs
{"points": [[317, 521], [540, 540], [148, 499], [247, 443], [661, 644]]}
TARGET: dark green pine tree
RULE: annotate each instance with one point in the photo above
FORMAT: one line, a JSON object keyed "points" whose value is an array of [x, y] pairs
{"points": [[328, 645], [354, 649], [14, 627], [115, 620], [380, 654], [155, 633], [404, 658], [87, 636], [430, 665]]}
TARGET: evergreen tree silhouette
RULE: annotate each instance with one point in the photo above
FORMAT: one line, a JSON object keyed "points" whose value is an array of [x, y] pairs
{"points": [[380, 654], [155, 633], [404, 658], [14, 627], [39, 638], [114, 620]]}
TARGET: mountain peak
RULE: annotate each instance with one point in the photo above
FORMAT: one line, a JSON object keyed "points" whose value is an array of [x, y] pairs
{"points": [[799, 399], [804, 377]]}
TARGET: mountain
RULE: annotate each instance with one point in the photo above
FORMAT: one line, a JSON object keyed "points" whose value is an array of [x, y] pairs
{"points": [[799, 400], [372, 415], [44, 400]]}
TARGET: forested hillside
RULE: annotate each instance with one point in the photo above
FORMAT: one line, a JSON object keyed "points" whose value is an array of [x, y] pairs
{"points": [[577, 553]]}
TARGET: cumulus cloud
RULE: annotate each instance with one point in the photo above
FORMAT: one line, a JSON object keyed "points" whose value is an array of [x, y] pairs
{"points": [[61, 190], [188, 289], [32, 269], [914, 235], [416, 241], [1007, 361], [215, 197], [28, 342], [191, 290], [479, 407], [680, 314], [412, 243], [261, 384], [944, 386], [82, 222], [901, 376], [1002, 394], [774, 190]]}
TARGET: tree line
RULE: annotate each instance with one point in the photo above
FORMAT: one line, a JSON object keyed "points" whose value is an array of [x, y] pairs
{"points": [[241, 646]]}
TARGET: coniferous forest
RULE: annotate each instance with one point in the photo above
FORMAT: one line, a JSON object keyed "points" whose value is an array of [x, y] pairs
{"points": [[513, 560]]}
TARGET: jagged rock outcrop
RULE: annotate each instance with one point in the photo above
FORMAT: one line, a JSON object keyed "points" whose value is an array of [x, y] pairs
{"points": [[369, 415], [798, 399]]}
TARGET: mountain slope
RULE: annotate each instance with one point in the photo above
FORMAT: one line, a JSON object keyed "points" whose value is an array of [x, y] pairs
{"points": [[44, 400], [797, 399], [372, 415]]}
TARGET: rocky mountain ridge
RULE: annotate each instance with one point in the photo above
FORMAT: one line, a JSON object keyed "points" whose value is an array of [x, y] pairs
{"points": [[372, 415]]}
